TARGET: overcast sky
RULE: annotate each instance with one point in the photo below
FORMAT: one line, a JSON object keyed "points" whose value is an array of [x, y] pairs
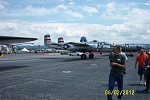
{"points": [[113, 21]]}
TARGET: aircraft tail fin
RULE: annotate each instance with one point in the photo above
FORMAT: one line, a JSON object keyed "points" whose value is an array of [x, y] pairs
{"points": [[47, 40], [60, 40], [83, 39]]}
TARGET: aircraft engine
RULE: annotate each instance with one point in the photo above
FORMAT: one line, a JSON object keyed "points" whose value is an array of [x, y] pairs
{"points": [[47, 40]]}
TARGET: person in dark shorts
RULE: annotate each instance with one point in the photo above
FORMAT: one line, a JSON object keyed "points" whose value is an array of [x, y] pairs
{"points": [[140, 59], [147, 66]]}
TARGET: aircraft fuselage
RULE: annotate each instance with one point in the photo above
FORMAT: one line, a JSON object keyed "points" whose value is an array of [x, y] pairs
{"points": [[93, 47]]}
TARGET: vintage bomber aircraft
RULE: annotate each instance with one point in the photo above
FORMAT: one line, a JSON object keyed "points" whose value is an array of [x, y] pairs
{"points": [[85, 46], [131, 47], [82, 46]]}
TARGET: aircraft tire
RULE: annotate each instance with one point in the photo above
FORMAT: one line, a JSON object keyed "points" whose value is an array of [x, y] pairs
{"points": [[91, 55], [83, 56]]}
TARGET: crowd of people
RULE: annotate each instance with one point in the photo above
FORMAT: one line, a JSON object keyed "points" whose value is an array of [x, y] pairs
{"points": [[118, 61]]}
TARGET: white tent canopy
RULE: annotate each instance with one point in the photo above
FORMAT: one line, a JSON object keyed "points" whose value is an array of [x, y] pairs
{"points": [[24, 50]]}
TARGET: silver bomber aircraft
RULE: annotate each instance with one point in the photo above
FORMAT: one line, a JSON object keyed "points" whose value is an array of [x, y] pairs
{"points": [[131, 47], [82, 46], [93, 46]]}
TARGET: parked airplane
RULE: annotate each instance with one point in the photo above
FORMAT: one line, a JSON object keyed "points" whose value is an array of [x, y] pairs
{"points": [[131, 47], [9, 40], [83, 46]]}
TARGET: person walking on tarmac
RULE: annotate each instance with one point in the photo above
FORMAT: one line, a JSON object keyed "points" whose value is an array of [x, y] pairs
{"points": [[117, 64], [140, 59], [147, 66]]}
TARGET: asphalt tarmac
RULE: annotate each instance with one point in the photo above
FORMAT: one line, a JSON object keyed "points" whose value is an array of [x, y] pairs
{"points": [[63, 77]]}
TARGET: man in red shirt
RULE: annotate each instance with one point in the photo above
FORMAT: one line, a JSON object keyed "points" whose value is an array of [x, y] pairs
{"points": [[140, 59]]}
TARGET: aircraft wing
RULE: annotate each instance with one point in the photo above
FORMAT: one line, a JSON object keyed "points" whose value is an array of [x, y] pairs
{"points": [[11, 40]]}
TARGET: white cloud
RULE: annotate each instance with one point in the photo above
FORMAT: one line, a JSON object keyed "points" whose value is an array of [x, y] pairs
{"points": [[69, 13], [31, 11], [60, 0], [147, 3], [116, 11], [117, 33], [90, 10], [40, 11], [62, 10], [72, 3], [2, 5], [135, 23], [139, 15]]}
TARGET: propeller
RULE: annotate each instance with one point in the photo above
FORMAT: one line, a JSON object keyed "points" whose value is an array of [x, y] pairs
{"points": [[98, 46]]}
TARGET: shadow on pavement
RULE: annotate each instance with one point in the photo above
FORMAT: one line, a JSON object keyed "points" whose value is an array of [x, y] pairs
{"points": [[134, 84], [141, 92], [11, 67]]}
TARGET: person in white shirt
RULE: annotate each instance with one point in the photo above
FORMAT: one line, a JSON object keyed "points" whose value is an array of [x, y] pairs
{"points": [[122, 53], [126, 58]]}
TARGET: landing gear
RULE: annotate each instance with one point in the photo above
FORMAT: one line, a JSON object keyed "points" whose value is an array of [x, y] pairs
{"points": [[91, 55], [83, 56]]}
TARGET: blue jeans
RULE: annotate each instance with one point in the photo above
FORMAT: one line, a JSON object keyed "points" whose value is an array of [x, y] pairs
{"points": [[112, 79]]}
